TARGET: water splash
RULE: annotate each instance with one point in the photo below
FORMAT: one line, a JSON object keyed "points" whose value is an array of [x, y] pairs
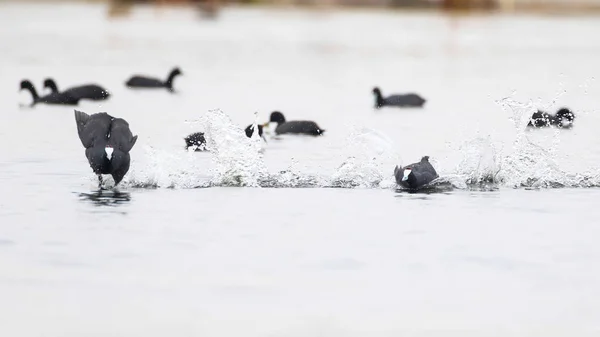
{"points": [[369, 164], [524, 164], [480, 163], [367, 161], [168, 169], [237, 159]]}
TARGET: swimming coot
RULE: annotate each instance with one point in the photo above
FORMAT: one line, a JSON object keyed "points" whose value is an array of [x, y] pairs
{"points": [[139, 81], [405, 100], [294, 127], [416, 175]]}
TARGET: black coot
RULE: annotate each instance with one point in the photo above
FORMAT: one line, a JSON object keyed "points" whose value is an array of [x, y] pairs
{"points": [[405, 100], [416, 175], [107, 141], [139, 81], [294, 127]]}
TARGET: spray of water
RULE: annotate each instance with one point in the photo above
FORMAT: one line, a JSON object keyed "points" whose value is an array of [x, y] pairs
{"points": [[367, 161]]}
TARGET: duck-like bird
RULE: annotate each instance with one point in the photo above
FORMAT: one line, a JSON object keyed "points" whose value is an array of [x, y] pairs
{"points": [[139, 81], [416, 175], [294, 127], [402, 101], [107, 141]]}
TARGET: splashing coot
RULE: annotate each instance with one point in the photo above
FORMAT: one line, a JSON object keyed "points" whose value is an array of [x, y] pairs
{"points": [[416, 175], [197, 141], [107, 141], [563, 119]]}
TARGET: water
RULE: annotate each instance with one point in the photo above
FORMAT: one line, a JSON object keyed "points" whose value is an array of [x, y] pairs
{"points": [[302, 236]]}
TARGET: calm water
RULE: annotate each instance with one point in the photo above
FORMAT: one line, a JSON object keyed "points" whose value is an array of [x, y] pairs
{"points": [[302, 236]]}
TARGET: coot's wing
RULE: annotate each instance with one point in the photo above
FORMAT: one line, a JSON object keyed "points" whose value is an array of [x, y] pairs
{"points": [[424, 171], [404, 100], [121, 137], [395, 100], [94, 128], [89, 91]]}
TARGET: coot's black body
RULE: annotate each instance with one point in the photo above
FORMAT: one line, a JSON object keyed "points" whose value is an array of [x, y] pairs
{"points": [[107, 141], [416, 175]]}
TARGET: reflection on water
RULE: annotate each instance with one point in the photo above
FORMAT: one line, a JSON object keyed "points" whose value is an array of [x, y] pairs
{"points": [[106, 197]]}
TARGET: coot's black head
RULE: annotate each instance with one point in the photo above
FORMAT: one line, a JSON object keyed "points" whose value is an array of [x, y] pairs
{"points": [[317, 132], [176, 71], [565, 113], [50, 84], [564, 118], [195, 140], [277, 117], [25, 84], [250, 130], [379, 102]]}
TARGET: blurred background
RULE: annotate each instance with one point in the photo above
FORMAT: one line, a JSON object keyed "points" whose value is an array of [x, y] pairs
{"points": [[212, 6]]}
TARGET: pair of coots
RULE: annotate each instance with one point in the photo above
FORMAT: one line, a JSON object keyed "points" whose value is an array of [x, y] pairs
{"points": [[563, 119], [71, 96], [400, 100], [197, 141]]}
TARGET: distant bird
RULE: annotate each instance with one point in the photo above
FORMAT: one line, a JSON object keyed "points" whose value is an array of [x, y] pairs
{"points": [[88, 91], [107, 141], [138, 81], [405, 100], [563, 119], [53, 98], [416, 175], [294, 127]]}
